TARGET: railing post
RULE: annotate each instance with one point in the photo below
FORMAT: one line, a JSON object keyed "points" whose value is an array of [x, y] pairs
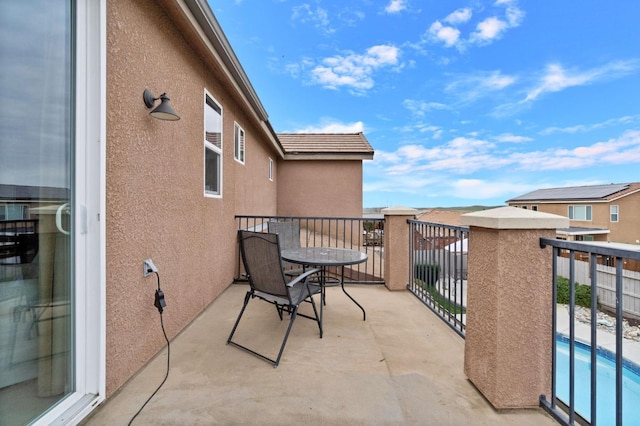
{"points": [[396, 246], [509, 305]]}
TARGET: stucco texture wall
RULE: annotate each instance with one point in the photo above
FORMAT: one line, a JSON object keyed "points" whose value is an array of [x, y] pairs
{"points": [[301, 181], [155, 205], [626, 230], [508, 334]]}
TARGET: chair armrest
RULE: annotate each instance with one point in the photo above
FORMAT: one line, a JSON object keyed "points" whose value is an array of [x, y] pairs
{"points": [[303, 277]]}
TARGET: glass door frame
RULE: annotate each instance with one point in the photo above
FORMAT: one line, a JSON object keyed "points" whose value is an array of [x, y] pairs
{"points": [[88, 204]]}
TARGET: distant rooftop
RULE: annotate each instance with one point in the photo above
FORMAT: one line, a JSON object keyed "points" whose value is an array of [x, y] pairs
{"points": [[576, 193], [325, 146], [31, 193], [445, 217], [579, 230]]}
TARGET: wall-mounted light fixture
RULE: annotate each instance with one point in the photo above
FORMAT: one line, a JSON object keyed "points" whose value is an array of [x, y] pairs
{"points": [[164, 111]]}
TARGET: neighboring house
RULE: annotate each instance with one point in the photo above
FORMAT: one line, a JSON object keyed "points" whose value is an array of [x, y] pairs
{"points": [[596, 212], [134, 188]]}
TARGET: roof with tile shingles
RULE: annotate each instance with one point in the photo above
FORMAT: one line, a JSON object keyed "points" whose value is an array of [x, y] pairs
{"points": [[325, 146]]}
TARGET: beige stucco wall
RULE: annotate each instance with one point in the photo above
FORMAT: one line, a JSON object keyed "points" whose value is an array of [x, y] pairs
{"points": [[300, 183], [155, 205], [509, 317], [626, 230]]}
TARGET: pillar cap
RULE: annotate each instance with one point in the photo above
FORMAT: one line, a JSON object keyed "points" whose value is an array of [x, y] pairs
{"points": [[399, 211], [514, 218]]}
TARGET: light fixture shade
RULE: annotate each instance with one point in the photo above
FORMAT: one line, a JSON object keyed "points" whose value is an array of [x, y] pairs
{"points": [[164, 111]]}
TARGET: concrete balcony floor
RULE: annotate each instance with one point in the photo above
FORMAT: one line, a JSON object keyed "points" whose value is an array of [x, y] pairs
{"points": [[401, 366]]}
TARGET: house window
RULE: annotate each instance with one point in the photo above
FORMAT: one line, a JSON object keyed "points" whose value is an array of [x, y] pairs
{"points": [[212, 147], [580, 212], [238, 143], [613, 210], [534, 208], [270, 169], [14, 212], [524, 207]]}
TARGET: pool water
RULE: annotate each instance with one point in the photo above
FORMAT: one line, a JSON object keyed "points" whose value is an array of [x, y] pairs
{"points": [[605, 383]]}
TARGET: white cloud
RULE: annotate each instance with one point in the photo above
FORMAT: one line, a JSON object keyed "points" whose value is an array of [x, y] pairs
{"points": [[463, 167], [448, 35], [584, 128], [622, 150], [460, 16], [355, 70], [396, 6], [479, 189], [331, 126], [318, 17], [486, 31], [419, 108], [468, 155], [556, 78], [471, 87], [510, 138]]}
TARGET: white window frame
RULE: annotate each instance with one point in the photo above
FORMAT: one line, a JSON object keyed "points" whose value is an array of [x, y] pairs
{"points": [[270, 169], [616, 214], [239, 143], [588, 213], [210, 146]]}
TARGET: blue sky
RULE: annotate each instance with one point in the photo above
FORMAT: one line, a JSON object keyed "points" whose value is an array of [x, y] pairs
{"points": [[465, 102]]}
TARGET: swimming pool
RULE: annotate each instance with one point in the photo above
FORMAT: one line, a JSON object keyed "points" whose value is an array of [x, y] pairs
{"points": [[605, 382]]}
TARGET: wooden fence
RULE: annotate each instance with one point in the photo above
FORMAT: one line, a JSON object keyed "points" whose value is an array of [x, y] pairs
{"points": [[606, 281]]}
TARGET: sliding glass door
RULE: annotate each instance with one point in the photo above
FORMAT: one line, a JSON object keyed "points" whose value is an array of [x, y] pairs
{"points": [[38, 205]]}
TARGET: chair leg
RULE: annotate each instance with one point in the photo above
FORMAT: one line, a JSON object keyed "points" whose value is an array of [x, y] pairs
{"points": [[294, 314], [279, 309], [246, 301], [315, 311]]}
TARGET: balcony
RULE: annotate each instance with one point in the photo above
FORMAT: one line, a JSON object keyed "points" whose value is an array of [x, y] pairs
{"points": [[403, 365], [409, 362]]}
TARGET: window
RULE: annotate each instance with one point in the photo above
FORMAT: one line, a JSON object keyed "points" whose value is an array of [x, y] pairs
{"points": [[613, 211], [270, 169], [534, 208], [238, 143], [14, 212], [524, 207], [580, 212], [212, 147]]}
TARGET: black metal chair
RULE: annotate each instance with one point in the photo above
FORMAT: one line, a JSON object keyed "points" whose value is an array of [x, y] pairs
{"points": [[289, 238], [263, 266]]}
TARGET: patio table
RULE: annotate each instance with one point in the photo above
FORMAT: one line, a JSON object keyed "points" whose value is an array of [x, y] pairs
{"points": [[324, 257]]}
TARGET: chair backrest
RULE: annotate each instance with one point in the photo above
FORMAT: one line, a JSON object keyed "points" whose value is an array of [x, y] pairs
{"points": [[261, 259], [289, 233], [27, 247]]}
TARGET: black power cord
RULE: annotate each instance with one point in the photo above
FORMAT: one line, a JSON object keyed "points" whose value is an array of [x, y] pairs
{"points": [[160, 304]]}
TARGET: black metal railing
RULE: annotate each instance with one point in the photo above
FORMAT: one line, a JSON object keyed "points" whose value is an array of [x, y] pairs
{"points": [[17, 238], [564, 410], [343, 232], [438, 269]]}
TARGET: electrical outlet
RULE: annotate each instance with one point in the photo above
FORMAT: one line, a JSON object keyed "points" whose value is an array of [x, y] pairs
{"points": [[149, 267]]}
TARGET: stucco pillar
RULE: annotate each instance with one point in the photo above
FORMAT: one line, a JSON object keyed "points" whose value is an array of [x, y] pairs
{"points": [[507, 352], [396, 246]]}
